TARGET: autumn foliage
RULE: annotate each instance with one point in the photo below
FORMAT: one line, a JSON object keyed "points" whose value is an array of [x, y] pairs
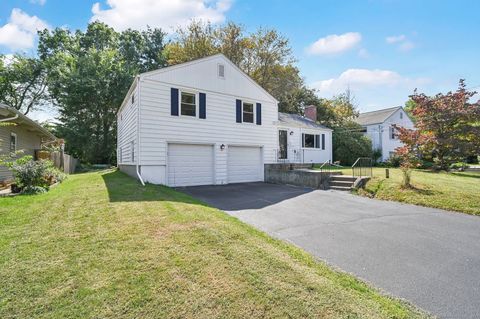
{"points": [[447, 128]]}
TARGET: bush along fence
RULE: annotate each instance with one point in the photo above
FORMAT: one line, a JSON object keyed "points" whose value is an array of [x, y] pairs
{"points": [[64, 162]]}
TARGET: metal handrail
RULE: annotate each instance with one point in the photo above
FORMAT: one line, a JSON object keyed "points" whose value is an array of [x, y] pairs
{"points": [[362, 167]]}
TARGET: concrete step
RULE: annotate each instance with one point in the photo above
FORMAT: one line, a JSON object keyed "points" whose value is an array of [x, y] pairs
{"points": [[343, 178], [341, 188], [341, 183]]}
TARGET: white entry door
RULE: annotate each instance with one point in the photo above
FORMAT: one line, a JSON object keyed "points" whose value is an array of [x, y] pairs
{"points": [[244, 164], [190, 165]]}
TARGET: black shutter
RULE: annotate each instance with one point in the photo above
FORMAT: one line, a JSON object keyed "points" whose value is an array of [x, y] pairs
{"points": [[323, 141], [174, 101], [203, 106], [239, 111], [259, 114], [303, 139], [317, 141]]}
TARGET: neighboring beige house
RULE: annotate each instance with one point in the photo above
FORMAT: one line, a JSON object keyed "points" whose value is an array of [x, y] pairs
{"points": [[26, 135]]}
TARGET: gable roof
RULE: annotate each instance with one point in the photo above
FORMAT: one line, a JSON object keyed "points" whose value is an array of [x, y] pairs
{"points": [[376, 117], [297, 120], [22, 119], [204, 59]]}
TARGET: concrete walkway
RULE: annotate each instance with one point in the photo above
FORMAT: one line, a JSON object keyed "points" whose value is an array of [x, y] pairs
{"points": [[427, 256]]}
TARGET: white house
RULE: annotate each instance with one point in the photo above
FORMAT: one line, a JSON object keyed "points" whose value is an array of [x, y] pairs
{"points": [[206, 122], [378, 126]]}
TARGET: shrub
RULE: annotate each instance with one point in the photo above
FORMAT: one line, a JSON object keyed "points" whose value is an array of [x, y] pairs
{"points": [[350, 144], [394, 161], [32, 176]]}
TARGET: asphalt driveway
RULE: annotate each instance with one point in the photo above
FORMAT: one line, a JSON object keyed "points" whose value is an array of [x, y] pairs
{"points": [[427, 256]]}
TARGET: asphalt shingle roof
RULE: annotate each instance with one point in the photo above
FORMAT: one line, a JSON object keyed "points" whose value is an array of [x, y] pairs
{"points": [[298, 121], [376, 117]]}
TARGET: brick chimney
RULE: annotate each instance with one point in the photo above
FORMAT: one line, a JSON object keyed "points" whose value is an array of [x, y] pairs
{"points": [[311, 112]]}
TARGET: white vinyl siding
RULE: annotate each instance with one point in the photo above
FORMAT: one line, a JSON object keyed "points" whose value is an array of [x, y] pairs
{"points": [[127, 129], [190, 165], [244, 164]]}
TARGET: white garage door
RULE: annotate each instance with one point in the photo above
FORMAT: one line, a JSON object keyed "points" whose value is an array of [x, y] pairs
{"points": [[190, 164], [244, 164]]}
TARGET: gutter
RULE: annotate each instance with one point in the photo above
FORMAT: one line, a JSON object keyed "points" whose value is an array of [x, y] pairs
{"points": [[138, 134], [10, 118]]}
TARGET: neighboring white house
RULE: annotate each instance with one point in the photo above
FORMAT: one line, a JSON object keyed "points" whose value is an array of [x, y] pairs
{"points": [[205, 122], [378, 126]]}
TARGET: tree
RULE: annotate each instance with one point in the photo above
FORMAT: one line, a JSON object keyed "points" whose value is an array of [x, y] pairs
{"points": [[349, 143], [409, 153], [265, 55], [448, 125], [23, 83], [89, 74]]}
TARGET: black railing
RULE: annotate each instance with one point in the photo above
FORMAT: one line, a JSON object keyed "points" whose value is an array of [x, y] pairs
{"points": [[362, 167], [326, 168]]}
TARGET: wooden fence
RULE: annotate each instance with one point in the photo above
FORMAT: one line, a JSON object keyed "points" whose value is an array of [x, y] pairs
{"points": [[64, 162]]}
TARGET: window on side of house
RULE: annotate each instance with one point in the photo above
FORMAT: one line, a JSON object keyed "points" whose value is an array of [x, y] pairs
{"points": [[401, 115], [247, 112], [188, 104], [392, 133], [132, 150], [309, 140], [13, 143]]}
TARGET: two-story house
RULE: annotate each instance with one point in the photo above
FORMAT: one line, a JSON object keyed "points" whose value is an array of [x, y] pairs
{"points": [[379, 127], [206, 122]]}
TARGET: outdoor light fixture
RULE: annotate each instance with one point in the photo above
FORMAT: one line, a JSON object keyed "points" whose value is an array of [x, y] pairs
{"points": [[291, 132], [222, 147]]}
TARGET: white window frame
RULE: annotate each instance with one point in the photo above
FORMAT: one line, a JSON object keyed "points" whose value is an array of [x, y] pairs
{"points": [[314, 141], [218, 70], [391, 133], [16, 142], [196, 104], [253, 111]]}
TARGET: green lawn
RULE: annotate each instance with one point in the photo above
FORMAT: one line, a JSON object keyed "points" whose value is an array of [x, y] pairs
{"points": [[102, 246], [452, 191]]}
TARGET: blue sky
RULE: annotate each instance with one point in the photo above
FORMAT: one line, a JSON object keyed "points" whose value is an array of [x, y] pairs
{"points": [[381, 49]]}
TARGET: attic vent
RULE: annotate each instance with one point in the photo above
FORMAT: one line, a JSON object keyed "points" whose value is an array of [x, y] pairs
{"points": [[221, 70]]}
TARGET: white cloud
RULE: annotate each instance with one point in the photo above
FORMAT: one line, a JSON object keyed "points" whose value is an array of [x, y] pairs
{"points": [[359, 79], [123, 14], [395, 38], [40, 2], [333, 44], [402, 41], [20, 31]]}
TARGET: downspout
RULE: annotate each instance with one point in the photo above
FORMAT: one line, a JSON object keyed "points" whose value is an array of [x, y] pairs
{"points": [[138, 133], [10, 118]]}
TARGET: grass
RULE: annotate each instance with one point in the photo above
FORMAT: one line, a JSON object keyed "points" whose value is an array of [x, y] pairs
{"points": [[102, 246], [458, 191]]}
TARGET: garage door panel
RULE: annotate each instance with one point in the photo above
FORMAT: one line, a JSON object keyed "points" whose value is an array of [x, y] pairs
{"points": [[244, 164], [190, 165]]}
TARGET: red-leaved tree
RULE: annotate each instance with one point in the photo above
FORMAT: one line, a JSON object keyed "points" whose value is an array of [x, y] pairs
{"points": [[409, 153], [448, 126]]}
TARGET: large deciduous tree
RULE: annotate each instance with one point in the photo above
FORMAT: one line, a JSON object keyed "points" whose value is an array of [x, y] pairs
{"points": [[448, 125], [89, 74], [23, 83], [265, 55]]}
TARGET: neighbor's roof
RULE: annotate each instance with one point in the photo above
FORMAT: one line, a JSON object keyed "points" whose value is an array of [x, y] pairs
{"points": [[376, 117], [298, 121], [22, 119]]}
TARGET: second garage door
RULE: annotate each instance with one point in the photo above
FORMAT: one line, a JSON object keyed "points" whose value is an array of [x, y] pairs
{"points": [[190, 164], [244, 164]]}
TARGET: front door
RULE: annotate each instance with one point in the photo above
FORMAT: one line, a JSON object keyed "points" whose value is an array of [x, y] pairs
{"points": [[282, 142]]}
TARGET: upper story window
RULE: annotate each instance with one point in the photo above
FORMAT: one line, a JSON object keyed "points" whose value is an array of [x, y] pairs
{"points": [[221, 70], [392, 133], [401, 115], [188, 104], [247, 112], [13, 143]]}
